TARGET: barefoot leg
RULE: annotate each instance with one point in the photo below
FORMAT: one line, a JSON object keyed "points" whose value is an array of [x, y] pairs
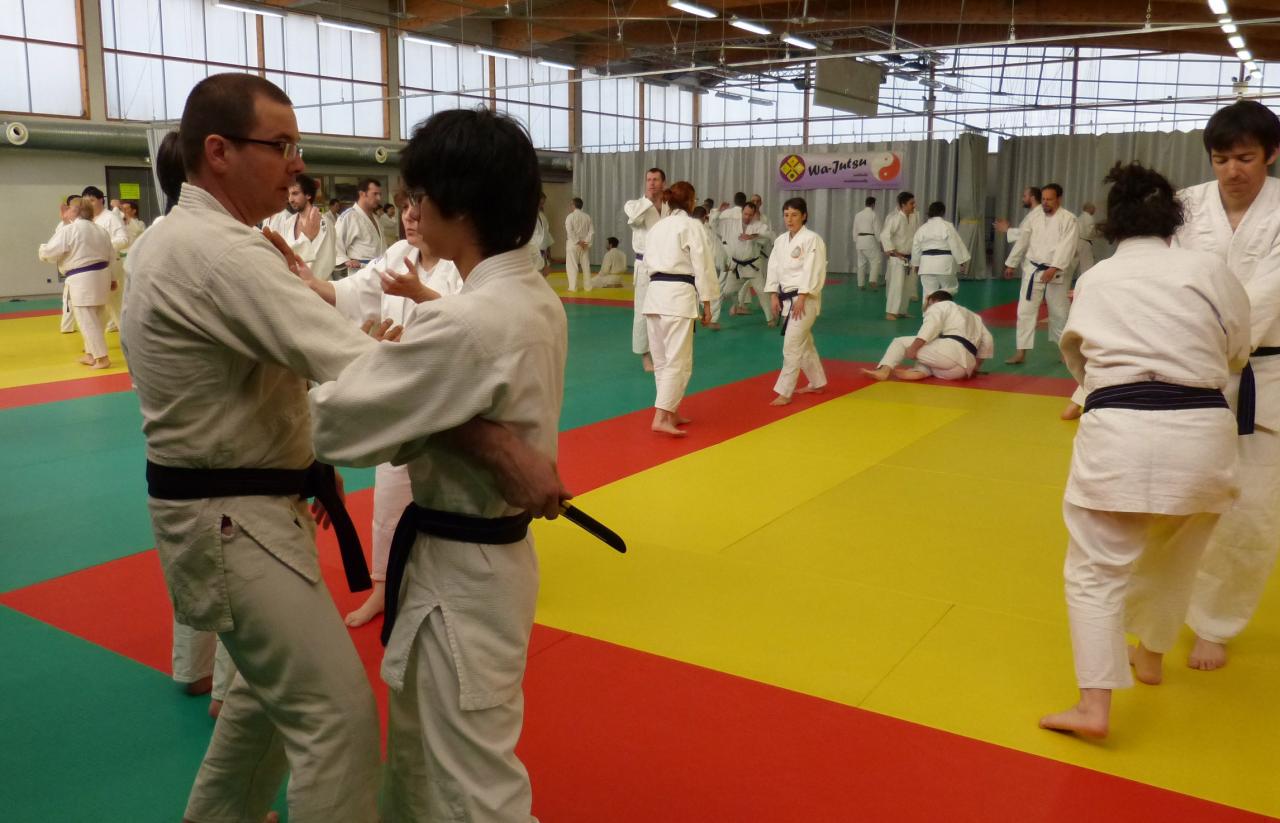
{"points": [[1020, 357], [664, 422], [370, 608], [910, 374], [779, 400], [880, 373], [812, 390], [1148, 666], [102, 363], [1207, 655], [198, 687], [215, 708], [86, 360], [646, 361], [1091, 717]]}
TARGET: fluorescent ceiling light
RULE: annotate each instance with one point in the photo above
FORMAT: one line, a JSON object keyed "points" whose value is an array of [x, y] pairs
{"points": [[501, 55], [1229, 27], [551, 64], [799, 42], [1236, 42], [1245, 55], [759, 101], [747, 25], [426, 41], [333, 24], [1218, 6], [727, 96], [245, 8], [1253, 67], [692, 8]]}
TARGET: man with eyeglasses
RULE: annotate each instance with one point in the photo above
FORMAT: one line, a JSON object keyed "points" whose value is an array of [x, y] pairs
{"points": [[359, 233], [222, 337]]}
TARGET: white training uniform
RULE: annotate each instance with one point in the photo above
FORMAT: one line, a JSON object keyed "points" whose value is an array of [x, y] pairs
{"points": [[1044, 242], [939, 252], [642, 215], [676, 245], [866, 243], [1242, 552], [1016, 231], [134, 228], [359, 238], [727, 223], [75, 245], [361, 299], [942, 355], [120, 241], [456, 656], [578, 228], [896, 236], [540, 243], [749, 264], [798, 265], [315, 253], [1146, 485], [1084, 249], [221, 340], [612, 267], [390, 229]]}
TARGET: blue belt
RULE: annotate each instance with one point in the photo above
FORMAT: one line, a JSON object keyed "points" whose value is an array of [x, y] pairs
{"points": [[1247, 400], [99, 266], [1031, 281], [1154, 395]]}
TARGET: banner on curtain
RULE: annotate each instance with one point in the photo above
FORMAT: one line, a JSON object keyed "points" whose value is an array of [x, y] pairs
{"points": [[854, 170]]}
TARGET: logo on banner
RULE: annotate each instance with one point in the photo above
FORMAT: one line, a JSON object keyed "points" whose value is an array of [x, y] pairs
{"points": [[792, 167]]}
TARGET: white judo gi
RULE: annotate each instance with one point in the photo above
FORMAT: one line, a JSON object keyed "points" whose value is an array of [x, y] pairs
{"points": [[540, 243], [677, 245], [612, 267], [578, 228], [111, 222], [360, 298], [221, 338], [317, 253], [1242, 552], [642, 215], [456, 657], [938, 252], [896, 238], [798, 265], [1084, 249], [75, 247], [749, 264], [866, 243], [943, 355], [1044, 242], [1146, 485], [358, 237]]}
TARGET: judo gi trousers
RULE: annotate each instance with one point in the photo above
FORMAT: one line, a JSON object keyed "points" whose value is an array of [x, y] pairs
{"points": [[1029, 309], [68, 324], [929, 283], [639, 326], [1242, 552], [198, 654], [455, 666], [897, 292], [115, 299], [756, 282], [1084, 252], [89, 319], [799, 354], [869, 261], [1127, 571], [577, 261], [931, 359], [672, 342], [301, 702]]}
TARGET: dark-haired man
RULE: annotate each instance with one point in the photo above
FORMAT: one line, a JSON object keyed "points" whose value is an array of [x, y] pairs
{"points": [[1237, 217], [643, 214], [359, 236], [866, 244], [462, 578], [221, 338], [1046, 253], [951, 344], [304, 228], [895, 238], [120, 240], [1031, 202], [579, 233]]}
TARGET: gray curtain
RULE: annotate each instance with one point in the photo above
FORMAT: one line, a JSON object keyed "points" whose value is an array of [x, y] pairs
{"points": [[934, 170]]}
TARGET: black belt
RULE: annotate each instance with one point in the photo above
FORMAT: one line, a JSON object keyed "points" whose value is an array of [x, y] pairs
{"points": [[865, 234], [935, 252], [738, 264], [317, 480], [99, 266], [663, 277], [1247, 400], [964, 341], [462, 528], [1031, 281], [1154, 395], [785, 297]]}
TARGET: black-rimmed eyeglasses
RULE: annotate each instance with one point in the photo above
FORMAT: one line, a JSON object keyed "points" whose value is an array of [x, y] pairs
{"points": [[288, 150]]}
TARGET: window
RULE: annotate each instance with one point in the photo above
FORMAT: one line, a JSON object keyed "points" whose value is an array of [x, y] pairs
{"points": [[437, 78], [537, 96], [42, 56], [668, 112], [609, 114]]}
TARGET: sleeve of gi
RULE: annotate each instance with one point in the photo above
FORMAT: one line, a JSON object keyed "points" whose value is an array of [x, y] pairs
{"points": [[1019, 250], [1064, 251], [959, 250], [915, 249], [693, 239], [1264, 299], [886, 234], [931, 324], [591, 229], [1071, 340], [359, 297], [53, 250], [986, 344], [815, 265], [635, 209]]}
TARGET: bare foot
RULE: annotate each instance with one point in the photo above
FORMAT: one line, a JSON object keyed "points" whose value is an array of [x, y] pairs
{"points": [[646, 360], [1078, 721], [1147, 665], [272, 817], [812, 390], [668, 428], [215, 708], [891, 317], [779, 401], [714, 326], [915, 298], [880, 373], [370, 608], [86, 360], [1017, 359], [101, 363], [198, 687], [909, 374], [1207, 655], [1072, 412], [773, 324], [682, 421], [739, 311]]}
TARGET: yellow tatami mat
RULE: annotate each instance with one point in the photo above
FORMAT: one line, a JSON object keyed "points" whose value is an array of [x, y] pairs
{"points": [[33, 351], [560, 282]]}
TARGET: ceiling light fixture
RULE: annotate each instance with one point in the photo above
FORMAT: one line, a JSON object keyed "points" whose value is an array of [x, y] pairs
{"points": [[1218, 7], [799, 42], [426, 41], [759, 101], [1245, 55], [692, 8], [724, 95], [551, 64], [1229, 27], [747, 25], [501, 55], [333, 24], [1236, 42], [245, 8]]}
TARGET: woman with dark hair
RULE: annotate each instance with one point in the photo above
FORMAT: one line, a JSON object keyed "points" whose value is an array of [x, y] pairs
{"points": [[682, 275], [1153, 464], [797, 272]]}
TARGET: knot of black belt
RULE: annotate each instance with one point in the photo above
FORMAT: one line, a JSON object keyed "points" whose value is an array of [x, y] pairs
{"points": [[1031, 281], [460, 528], [319, 480], [964, 341], [785, 297], [738, 264], [1247, 400]]}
